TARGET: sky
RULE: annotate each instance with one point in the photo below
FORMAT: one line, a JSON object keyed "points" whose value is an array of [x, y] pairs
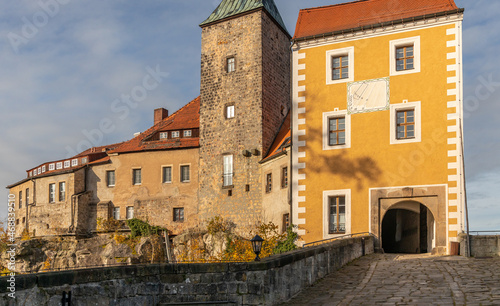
{"points": [[67, 66]]}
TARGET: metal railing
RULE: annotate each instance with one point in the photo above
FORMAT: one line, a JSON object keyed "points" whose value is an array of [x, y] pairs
{"points": [[487, 233], [343, 237]]}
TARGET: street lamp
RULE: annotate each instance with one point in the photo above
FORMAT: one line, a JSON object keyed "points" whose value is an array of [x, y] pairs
{"points": [[257, 246]]}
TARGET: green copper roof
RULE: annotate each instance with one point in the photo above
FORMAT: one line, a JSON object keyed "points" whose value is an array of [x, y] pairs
{"points": [[229, 8]]}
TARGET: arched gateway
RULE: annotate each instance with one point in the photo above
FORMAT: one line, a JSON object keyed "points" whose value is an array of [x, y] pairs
{"points": [[409, 219]]}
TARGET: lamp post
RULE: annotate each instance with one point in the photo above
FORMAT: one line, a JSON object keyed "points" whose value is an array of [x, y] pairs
{"points": [[257, 246]]}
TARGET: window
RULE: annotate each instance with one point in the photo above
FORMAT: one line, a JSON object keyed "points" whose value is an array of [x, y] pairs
{"points": [[167, 175], [340, 65], [284, 177], [336, 131], [405, 124], [231, 64], [66, 164], [130, 212], [52, 193], [164, 135], [136, 176], [74, 162], [59, 165], [116, 213], [188, 133], [286, 222], [228, 170], [175, 134], [336, 213], [269, 182], [179, 214], [405, 56], [31, 173], [337, 220], [24, 219], [62, 191], [39, 171], [84, 160], [27, 196], [43, 169], [110, 178], [229, 111], [52, 167], [20, 199], [185, 174]]}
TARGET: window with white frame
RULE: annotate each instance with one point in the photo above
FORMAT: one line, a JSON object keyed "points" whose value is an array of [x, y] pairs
{"points": [[136, 176], [52, 193], [43, 169], [52, 167], [229, 111], [74, 162], [188, 133], [84, 160], [67, 164], [336, 130], [164, 135], [62, 191], [406, 123], [130, 212], [167, 174], [231, 64], [340, 65], [228, 170], [336, 213], [59, 166], [405, 56], [31, 173], [39, 171], [110, 178], [175, 134], [185, 174], [116, 213]]}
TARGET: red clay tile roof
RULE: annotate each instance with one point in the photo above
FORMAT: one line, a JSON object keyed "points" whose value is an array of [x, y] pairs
{"points": [[188, 117], [281, 141], [328, 19]]}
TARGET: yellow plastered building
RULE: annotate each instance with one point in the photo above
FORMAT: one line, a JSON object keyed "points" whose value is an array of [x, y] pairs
{"points": [[377, 123]]}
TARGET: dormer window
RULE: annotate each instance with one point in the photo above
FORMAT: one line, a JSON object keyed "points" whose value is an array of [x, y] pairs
{"points": [[52, 167], [175, 134], [66, 164], [74, 162], [164, 135], [188, 133]]}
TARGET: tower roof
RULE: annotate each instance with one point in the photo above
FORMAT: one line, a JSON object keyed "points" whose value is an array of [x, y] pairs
{"points": [[229, 8]]}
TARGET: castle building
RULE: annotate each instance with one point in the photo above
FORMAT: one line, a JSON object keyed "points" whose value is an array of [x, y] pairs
{"points": [[377, 123], [357, 128]]}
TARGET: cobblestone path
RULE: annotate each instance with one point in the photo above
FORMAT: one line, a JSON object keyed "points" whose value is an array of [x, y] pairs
{"points": [[389, 279]]}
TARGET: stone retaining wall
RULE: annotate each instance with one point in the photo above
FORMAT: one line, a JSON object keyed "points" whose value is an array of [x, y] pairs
{"points": [[269, 282]]}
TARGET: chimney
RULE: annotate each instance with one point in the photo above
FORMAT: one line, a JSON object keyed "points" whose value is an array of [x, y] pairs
{"points": [[160, 114]]}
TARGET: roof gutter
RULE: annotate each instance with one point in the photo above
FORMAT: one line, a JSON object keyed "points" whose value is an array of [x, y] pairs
{"points": [[380, 25]]}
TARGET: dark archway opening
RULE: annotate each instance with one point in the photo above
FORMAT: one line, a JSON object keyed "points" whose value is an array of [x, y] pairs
{"points": [[407, 231]]}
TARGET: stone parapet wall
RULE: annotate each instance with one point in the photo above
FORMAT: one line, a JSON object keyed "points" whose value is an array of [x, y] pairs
{"points": [[269, 282], [481, 245]]}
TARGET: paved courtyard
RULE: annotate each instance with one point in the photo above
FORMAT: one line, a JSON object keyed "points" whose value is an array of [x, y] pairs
{"points": [[390, 279]]}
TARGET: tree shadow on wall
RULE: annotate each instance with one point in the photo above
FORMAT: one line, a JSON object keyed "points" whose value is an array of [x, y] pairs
{"points": [[338, 162]]}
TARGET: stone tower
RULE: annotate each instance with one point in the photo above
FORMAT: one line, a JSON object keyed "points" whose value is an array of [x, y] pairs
{"points": [[245, 96]]}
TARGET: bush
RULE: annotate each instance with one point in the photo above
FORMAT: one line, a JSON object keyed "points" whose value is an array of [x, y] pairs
{"points": [[142, 228]]}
